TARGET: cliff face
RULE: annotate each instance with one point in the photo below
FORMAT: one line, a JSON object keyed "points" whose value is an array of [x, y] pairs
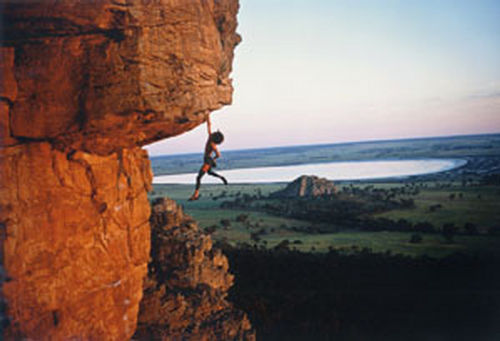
{"points": [[145, 69], [83, 85], [75, 241], [188, 280]]}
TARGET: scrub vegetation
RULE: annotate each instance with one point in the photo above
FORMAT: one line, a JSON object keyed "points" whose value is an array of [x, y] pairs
{"points": [[410, 258]]}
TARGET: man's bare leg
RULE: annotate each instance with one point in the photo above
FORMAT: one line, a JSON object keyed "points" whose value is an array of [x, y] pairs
{"points": [[205, 168], [212, 173]]}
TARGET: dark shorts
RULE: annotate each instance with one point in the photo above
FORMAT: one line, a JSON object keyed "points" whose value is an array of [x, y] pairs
{"points": [[210, 161]]}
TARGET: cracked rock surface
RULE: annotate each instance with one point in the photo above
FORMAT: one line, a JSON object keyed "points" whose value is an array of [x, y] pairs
{"points": [[83, 85], [148, 69], [76, 241]]}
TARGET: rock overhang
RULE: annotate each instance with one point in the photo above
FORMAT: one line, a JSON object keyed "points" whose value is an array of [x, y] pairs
{"points": [[105, 75]]}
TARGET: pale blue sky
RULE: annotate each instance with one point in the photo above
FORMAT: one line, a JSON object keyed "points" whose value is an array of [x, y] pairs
{"points": [[330, 71]]}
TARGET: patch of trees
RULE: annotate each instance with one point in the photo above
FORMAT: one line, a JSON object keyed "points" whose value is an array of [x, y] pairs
{"points": [[255, 236], [471, 229], [332, 209], [386, 194], [351, 212], [491, 179], [211, 229], [373, 199], [424, 227], [291, 295], [226, 223], [242, 218], [434, 208], [448, 230], [416, 238]]}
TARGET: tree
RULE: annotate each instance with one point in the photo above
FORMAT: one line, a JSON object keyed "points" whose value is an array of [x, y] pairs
{"points": [[255, 237], [449, 231], [404, 225], [424, 227], [416, 238], [225, 223], [242, 218], [211, 229], [283, 245], [471, 228]]}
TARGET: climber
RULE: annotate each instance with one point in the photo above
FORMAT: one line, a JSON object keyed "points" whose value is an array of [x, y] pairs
{"points": [[208, 161]]}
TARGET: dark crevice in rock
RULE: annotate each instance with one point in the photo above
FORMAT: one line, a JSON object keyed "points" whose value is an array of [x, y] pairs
{"points": [[7, 100], [22, 31]]}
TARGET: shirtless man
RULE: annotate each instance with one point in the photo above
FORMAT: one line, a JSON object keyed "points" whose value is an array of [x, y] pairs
{"points": [[208, 161]]}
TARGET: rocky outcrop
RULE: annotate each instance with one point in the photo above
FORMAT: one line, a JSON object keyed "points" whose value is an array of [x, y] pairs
{"points": [[188, 280], [306, 186], [84, 84], [146, 69]]}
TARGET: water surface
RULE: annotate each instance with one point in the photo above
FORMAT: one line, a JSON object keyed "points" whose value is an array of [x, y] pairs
{"points": [[352, 170]]}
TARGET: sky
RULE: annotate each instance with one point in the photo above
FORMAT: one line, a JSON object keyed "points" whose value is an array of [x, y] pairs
{"points": [[331, 71]]}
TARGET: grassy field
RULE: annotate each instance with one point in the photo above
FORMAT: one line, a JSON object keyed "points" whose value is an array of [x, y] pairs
{"points": [[478, 204], [459, 194]]}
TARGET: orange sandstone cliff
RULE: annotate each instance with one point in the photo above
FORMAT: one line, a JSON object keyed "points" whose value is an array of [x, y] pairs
{"points": [[83, 85]]}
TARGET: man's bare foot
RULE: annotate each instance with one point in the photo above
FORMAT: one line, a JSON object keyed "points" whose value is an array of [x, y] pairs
{"points": [[194, 197]]}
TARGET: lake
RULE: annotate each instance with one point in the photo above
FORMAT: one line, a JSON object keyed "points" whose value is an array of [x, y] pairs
{"points": [[349, 170]]}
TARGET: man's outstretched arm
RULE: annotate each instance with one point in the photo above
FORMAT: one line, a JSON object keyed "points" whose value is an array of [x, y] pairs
{"points": [[209, 125]]}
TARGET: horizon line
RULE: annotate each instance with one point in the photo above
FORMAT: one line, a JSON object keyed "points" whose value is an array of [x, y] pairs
{"points": [[336, 143]]}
